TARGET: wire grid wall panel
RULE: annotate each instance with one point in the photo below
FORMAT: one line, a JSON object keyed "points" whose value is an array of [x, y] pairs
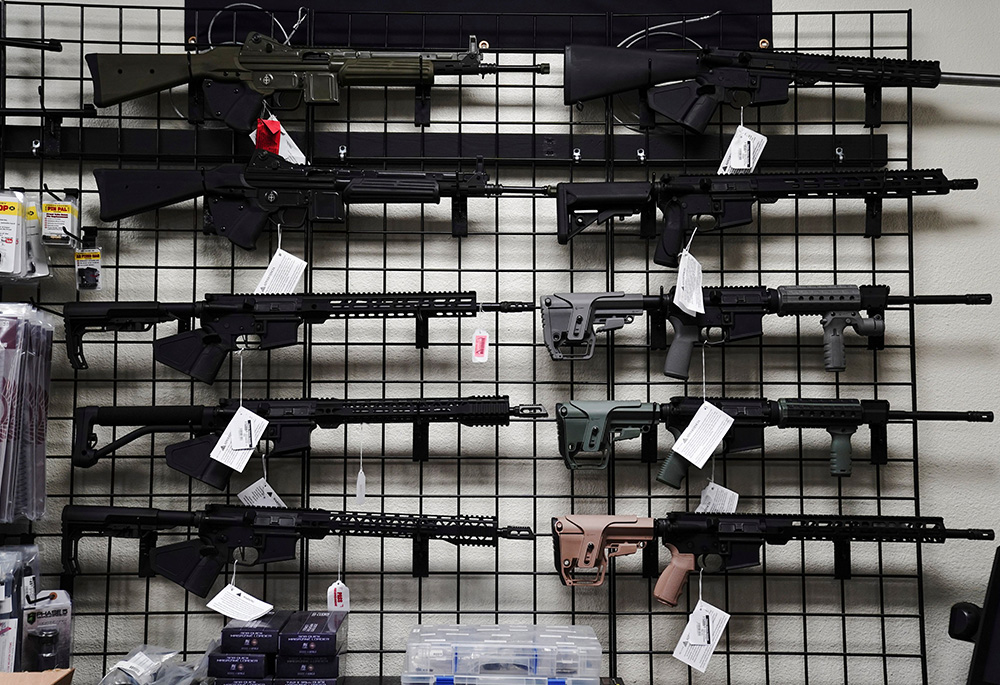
{"points": [[791, 621]]}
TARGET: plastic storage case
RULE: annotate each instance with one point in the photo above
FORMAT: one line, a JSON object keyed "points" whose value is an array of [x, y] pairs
{"points": [[502, 655]]}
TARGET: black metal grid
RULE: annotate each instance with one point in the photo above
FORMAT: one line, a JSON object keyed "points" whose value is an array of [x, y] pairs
{"points": [[791, 621]]}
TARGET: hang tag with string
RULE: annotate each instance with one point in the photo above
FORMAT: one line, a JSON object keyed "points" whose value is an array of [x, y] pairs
{"points": [[715, 499], [241, 435], [338, 595], [688, 294], [283, 273], [480, 343], [701, 634], [261, 494], [705, 433], [359, 492], [238, 604], [744, 150], [271, 136]]}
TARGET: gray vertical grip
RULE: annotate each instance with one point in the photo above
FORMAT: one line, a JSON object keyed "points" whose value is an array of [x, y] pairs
{"points": [[834, 354], [678, 360], [673, 470], [840, 449]]}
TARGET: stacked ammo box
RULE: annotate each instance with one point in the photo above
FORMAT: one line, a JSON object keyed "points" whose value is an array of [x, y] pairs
{"points": [[281, 648]]}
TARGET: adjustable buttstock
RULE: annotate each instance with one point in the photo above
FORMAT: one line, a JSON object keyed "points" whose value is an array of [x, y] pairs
{"points": [[127, 192], [191, 564], [118, 78], [196, 353]]}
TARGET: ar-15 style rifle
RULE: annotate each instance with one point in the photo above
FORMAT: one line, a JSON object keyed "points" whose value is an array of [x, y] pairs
{"points": [[226, 320], [273, 533], [240, 200], [569, 319], [290, 425], [722, 542], [235, 79], [697, 82], [588, 428], [728, 200]]}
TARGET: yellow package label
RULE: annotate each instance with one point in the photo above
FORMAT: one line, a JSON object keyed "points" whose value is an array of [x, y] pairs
{"points": [[85, 256], [8, 208], [31, 214], [59, 208]]}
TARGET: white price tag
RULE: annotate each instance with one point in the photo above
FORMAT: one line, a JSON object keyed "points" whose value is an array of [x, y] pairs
{"points": [[480, 346], [278, 141], [359, 496], [701, 634], [744, 152], [235, 603], [689, 296], [282, 275], [261, 494], [239, 439], [338, 597], [140, 667], [716, 499], [704, 434]]}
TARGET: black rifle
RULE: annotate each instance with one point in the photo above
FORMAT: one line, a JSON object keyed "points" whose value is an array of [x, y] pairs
{"points": [[588, 428], [722, 542], [227, 320], [981, 627], [240, 199], [274, 534], [728, 200], [737, 312], [235, 79], [290, 425], [698, 82]]}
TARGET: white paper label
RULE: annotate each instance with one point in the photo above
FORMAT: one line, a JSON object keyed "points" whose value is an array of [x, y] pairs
{"points": [[140, 667], [688, 295], [480, 346], [11, 228], [704, 434], [261, 494], [235, 603], [8, 644], [29, 592], [359, 496], [282, 275], [338, 597], [744, 152], [286, 145], [701, 634], [716, 499], [239, 440]]}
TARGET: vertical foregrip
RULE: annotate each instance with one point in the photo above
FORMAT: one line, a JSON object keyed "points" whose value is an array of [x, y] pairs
{"points": [[840, 449], [834, 355]]}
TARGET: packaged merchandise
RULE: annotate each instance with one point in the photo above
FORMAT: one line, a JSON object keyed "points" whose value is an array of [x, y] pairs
{"points": [[257, 636], [306, 666], [223, 665], [313, 633]]}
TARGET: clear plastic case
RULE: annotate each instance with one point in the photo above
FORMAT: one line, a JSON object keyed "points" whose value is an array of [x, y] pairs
{"points": [[502, 655]]}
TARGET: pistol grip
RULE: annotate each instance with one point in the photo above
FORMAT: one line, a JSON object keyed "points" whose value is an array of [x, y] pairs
{"points": [[671, 582], [671, 243], [673, 470], [678, 360]]}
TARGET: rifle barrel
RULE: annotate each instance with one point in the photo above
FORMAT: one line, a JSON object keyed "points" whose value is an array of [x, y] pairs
{"points": [[953, 79], [971, 416], [522, 68], [971, 298]]}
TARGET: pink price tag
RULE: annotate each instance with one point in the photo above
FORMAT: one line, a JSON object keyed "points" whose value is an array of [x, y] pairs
{"points": [[480, 346]]}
